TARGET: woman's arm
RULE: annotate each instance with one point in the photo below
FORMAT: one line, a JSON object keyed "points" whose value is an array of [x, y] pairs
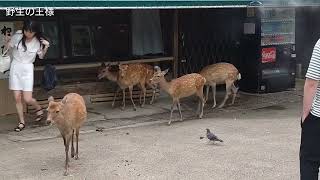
{"points": [[43, 50]]}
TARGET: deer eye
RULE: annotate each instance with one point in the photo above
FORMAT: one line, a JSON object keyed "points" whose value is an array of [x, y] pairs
{"points": [[57, 111]]}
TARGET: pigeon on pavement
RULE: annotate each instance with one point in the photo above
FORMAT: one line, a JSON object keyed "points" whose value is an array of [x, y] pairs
{"points": [[212, 137]]}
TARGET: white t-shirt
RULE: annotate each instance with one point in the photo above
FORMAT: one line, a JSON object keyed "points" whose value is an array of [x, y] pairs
{"points": [[19, 54]]}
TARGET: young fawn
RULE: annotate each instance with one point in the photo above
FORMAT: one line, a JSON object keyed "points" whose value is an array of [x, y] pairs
{"points": [[131, 74], [181, 87], [68, 115], [221, 73]]}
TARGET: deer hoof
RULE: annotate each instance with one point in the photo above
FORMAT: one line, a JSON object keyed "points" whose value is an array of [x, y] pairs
{"points": [[122, 108], [76, 157], [66, 173], [142, 105], [169, 123], [221, 106]]}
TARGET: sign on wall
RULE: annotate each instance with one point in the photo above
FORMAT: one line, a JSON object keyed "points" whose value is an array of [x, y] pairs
{"points": [[6, 28]]}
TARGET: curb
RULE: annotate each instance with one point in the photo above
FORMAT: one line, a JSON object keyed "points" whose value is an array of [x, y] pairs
{"points": [[24, 139]]}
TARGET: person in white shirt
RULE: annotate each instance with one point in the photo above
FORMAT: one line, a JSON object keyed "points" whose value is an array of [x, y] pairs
{"points": [[24, 46]]}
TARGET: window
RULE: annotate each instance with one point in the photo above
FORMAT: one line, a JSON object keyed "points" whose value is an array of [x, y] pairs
{"points": [[81, 40]]}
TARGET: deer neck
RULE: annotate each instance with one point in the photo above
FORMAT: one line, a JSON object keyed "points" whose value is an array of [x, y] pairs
{"points": [[112, 76], [165, 85]]}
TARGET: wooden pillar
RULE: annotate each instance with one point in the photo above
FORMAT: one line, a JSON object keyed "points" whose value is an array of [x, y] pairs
{"points": [[175, 43]]}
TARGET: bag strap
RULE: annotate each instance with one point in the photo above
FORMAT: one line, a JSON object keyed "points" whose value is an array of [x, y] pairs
{"points": [[3, 54]]}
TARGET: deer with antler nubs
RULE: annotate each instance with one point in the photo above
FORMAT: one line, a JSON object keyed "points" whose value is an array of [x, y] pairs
{"points": [[181, 87]]}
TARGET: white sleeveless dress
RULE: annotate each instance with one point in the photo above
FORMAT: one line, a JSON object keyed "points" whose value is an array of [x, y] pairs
{"points": [[21, 71]]}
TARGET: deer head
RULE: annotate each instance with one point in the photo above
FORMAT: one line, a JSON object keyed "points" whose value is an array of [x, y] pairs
{"points": [[53, 110], [102, 70], [107, 69], [158, 74]]}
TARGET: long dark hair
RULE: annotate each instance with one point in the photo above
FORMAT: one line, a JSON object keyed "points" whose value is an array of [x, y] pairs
{"points": [[32, 26]]}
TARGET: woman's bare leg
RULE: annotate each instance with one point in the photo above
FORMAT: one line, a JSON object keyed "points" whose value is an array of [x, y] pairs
{"points": [[18, 98], [27, 96]]}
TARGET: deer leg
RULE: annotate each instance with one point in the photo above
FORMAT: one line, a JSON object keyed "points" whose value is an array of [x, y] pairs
{"points": [[143, 88], [115, 95], [234, 90], [201, 102], [207, 93], [201, 105], [228, 92], [153, 95], [214, 85], [77, 139], [72, 147], [179, 108], [123, 99], [172, 106], [66, 146], [140, 95], [153, 92], [130, 91]]}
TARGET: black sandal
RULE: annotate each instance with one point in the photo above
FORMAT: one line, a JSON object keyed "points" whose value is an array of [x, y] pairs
{"points": [[19, 128], [40, 116]]}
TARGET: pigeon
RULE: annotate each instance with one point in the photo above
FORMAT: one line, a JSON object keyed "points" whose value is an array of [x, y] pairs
{"points": [[212, 137]]}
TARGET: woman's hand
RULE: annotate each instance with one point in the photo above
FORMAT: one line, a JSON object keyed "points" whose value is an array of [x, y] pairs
{"points": [[45, 43]]}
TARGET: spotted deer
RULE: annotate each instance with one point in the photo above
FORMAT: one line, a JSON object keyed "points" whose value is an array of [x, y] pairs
{"points": [[221, 73], [131, 75], [181, 87], [106, 71], [136, 74], [68, 115]]}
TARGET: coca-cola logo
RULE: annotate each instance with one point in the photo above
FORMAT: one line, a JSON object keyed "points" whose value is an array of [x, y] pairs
{"points": [[268, 55]]}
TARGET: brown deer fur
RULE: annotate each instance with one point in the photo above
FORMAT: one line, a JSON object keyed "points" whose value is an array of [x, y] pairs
{"points": [[136, 74], [181, 87], [105, 71], [140, 73], [221, 73], [68, 115]]}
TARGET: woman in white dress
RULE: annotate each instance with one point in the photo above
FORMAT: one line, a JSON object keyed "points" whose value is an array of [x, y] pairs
{"points": [[25, 45]]}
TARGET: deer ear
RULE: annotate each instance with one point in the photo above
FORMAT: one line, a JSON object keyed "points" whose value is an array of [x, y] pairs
{"points": [[50, 99], [157, 69], [166, 71], [103, 64], [64, 100]]}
